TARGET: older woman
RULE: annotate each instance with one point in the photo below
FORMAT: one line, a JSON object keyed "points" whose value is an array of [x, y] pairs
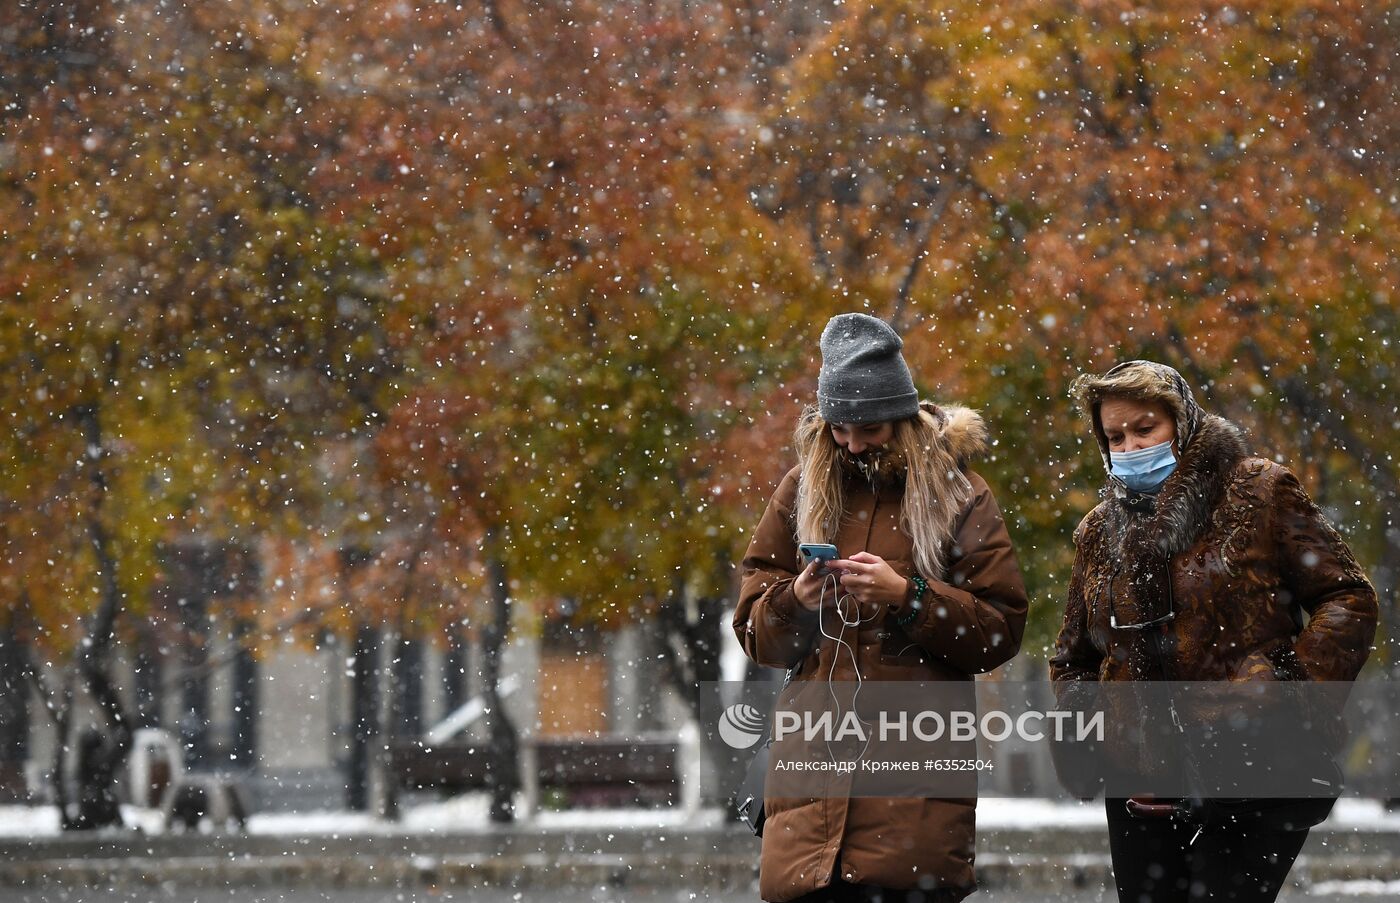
{"points": [[929, 589], [1203, 563]]}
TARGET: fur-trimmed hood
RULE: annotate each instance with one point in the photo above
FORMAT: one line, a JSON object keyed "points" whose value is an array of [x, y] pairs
{"points": [[963, 428]]}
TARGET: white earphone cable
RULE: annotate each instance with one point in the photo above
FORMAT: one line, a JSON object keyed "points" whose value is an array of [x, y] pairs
{"points": [[839, 603]]}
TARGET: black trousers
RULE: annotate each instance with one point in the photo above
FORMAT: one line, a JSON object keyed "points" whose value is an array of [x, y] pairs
{"points": [[1154, 860], [841, 892]]}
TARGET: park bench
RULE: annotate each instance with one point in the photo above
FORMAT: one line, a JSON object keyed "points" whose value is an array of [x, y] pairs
{"points": [[643, 770]]}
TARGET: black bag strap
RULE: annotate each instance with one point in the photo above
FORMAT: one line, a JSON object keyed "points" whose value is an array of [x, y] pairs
{"points": [[748, 800]]}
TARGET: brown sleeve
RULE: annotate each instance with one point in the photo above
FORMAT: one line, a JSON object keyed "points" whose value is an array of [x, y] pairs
{"points": [[1076, 658], [1317, 571], [975, 620], [772, 626]]}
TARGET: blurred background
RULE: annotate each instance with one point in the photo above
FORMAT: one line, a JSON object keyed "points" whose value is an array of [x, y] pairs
{"points": [[389, 388]]}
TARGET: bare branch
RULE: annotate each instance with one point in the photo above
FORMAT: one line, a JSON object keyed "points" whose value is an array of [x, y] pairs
{"points": [[940, 202]]}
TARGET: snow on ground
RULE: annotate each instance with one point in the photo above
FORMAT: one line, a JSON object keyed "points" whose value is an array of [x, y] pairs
{"points": [[1021, 813], [1349, 814], [468, 814], [1368, 888], [1364, 815]]}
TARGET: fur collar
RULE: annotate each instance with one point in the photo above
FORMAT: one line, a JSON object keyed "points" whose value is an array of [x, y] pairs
{"points": [[1191, 493], [1148, 535], [962, 429], [877, 467]]}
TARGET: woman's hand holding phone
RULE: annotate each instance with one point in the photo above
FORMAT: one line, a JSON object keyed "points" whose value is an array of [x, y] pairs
{"points": [[816, 558], [869, 578], [808, 585]]}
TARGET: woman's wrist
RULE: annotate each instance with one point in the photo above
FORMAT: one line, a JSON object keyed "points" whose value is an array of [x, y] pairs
{"points": [[916, 589]]}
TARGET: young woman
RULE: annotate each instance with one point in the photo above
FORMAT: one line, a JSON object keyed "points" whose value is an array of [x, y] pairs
{"points": [[929, 589], [1203, 563]]}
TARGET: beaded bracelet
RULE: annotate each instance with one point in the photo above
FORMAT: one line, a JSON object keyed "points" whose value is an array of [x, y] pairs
{"points": [[920, 587]]}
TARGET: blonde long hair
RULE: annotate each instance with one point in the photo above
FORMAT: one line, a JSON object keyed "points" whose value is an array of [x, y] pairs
{"points": [[935, 488]]}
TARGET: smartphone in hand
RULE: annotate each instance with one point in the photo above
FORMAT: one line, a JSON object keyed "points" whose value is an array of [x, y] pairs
{"points": [[818, 551]]}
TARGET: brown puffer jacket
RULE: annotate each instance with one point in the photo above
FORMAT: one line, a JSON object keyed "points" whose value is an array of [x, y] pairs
{"points": [[972, 622], [1263, 588]]}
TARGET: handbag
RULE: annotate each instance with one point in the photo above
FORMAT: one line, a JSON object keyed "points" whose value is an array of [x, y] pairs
{"points": [[748, 801]]}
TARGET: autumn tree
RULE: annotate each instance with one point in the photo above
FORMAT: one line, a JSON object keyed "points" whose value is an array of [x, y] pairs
{"points": [[180, 332]]}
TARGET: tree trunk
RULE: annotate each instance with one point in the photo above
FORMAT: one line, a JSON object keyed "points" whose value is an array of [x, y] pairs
{"points": [[102, 751], [503, 755], [245, 698], [149, 678], [408, 676], [400, 688], [193, 601], [14, 716], [63, 724], [383, 780], [363, 727], [454, 669]]}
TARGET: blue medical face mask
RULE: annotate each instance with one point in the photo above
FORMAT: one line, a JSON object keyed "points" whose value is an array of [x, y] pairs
{"points": [[1146, 469]]}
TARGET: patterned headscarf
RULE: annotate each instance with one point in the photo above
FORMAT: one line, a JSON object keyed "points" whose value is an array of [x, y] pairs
{"points": [[1144, 381]]}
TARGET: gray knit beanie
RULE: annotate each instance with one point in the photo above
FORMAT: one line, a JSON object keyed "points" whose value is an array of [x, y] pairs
{"points": [[863, 378]]}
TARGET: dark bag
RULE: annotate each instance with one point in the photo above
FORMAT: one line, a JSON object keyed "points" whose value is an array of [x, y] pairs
{"points": [[1078, 763], [1284, 814], [1279, 814], [1257, 813], [748, 801]]}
